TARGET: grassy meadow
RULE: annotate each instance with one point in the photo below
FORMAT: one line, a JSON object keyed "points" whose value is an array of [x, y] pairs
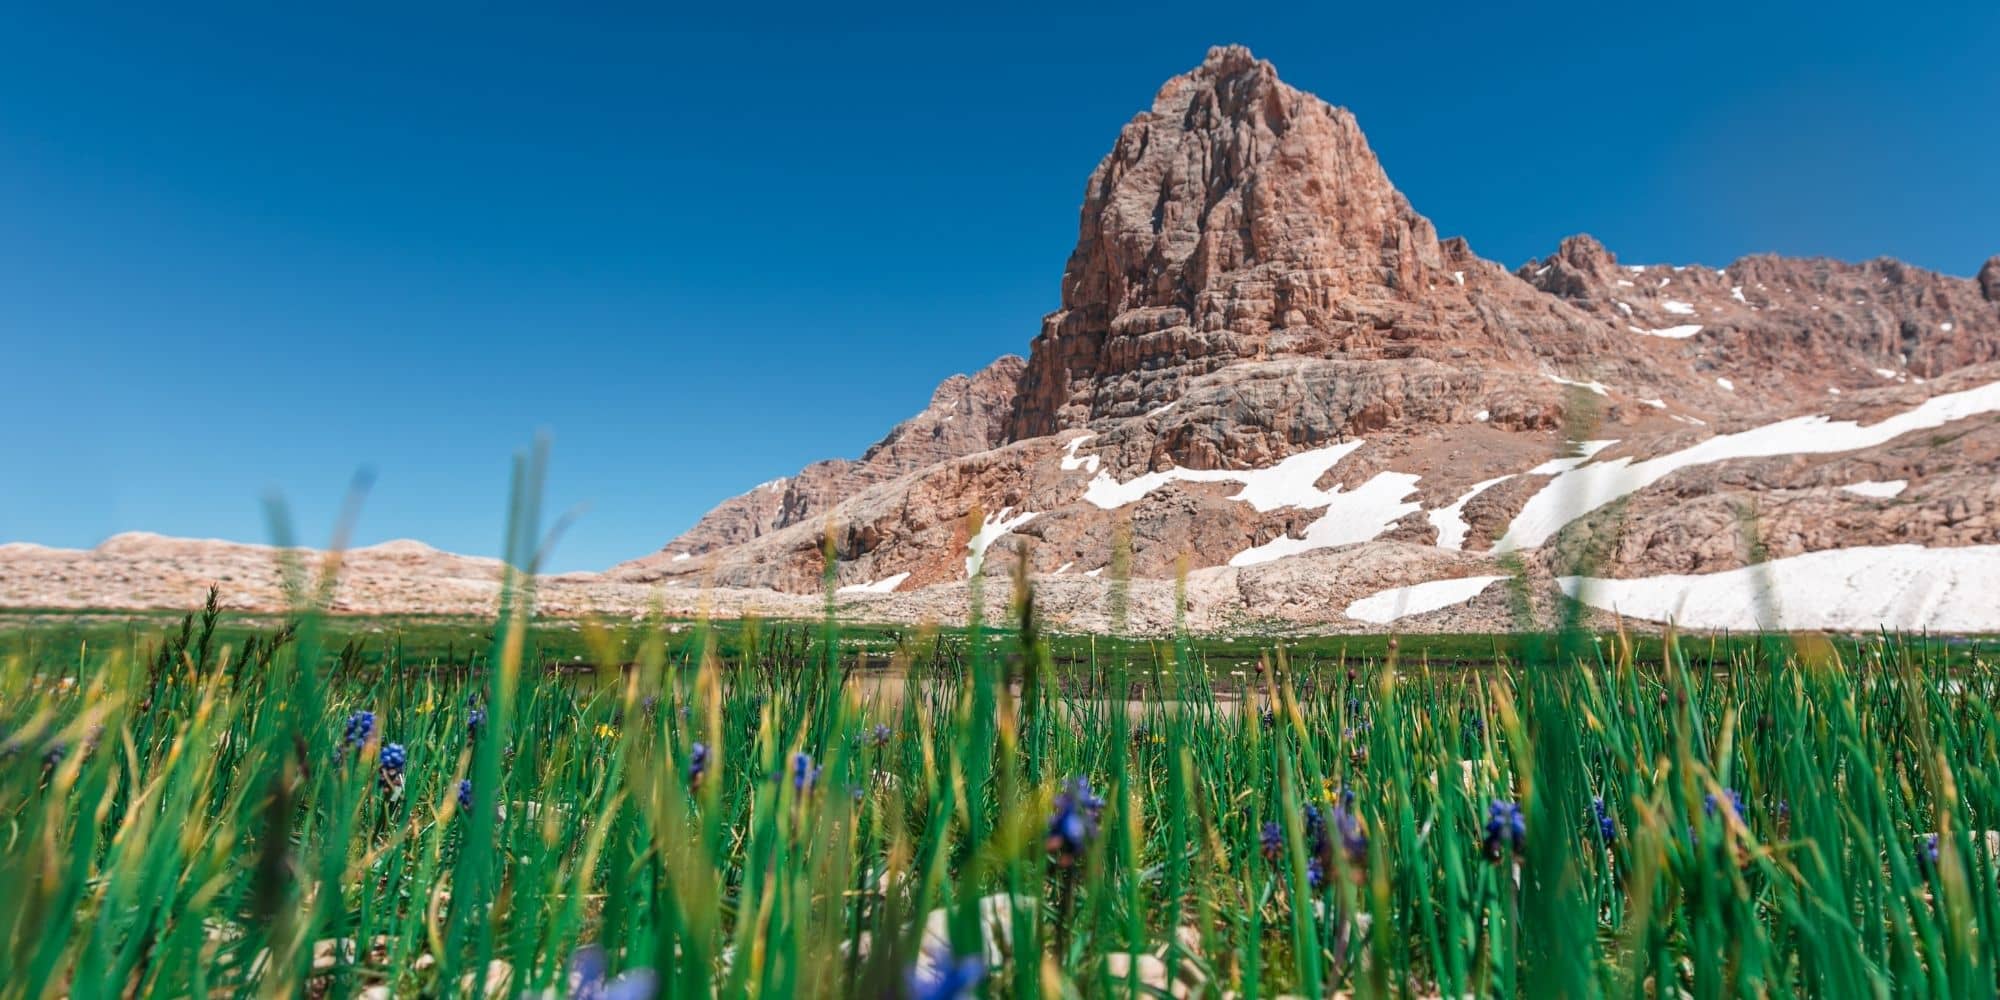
{"points": [[424, 808]]}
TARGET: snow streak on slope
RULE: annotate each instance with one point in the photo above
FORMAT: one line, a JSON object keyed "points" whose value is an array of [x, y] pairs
{"points": [[990, 530], [1579, 491], [1879, 490], [1670, 332], [1071, 463], [1450, 521], [1286, 484], [1585, 451], [1417, 599], [886, 585], [1897, 587], [1356, 515]]}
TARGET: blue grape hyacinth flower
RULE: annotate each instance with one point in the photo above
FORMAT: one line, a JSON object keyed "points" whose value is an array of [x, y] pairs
{"points": [[697, 764], [1607, 827], [1506, 830], [587, 970], [805, 774], [1073, 823], [944, 976], [359, 726]]}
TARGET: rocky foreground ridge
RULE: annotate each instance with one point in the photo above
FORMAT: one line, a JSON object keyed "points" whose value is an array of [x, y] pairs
{"points": [[1267, 367]]}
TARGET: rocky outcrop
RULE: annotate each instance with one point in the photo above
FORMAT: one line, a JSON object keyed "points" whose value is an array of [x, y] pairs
{"points": [[1784, 324], [1242, 220], [967, 414]]}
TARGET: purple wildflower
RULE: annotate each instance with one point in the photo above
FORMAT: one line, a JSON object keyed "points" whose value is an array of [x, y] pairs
{"points": [[944, 976], [392, 762], [586, 979], [1607, 827], [1730, 797], [359, 726], [1506, 830], [1273, 840], [805, 774], [697, 764], [1074, 822]]}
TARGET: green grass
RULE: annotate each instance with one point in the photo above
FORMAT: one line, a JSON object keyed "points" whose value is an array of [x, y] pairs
{"points": [[206, 831]]}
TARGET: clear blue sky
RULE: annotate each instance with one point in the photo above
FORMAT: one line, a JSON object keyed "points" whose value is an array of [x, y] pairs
{"points": [[253, 249]]}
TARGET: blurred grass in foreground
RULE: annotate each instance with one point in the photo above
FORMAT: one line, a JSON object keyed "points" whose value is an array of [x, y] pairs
{"points": [[207, 814]]}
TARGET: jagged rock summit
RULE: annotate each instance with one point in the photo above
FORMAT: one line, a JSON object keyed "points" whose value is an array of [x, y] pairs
{"points": [[1265, 367], [1241, 220]]}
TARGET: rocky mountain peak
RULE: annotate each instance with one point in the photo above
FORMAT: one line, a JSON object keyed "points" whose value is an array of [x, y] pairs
{"points": [[1579, 264], [1989, 279], [1241, 219]]}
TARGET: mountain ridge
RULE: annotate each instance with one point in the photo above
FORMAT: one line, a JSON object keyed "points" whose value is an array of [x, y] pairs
{"points": [[1267, 371]]}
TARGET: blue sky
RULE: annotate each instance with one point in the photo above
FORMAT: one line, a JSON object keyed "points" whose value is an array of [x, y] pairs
{"points": [[250, 249]]}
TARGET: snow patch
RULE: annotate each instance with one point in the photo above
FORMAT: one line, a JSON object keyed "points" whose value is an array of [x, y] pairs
{"points": [[1657, 404], [1071, 463], [1422, 598], [1579, 491], [1677, 307], [1580, 452], [990, 529], [1737, 294], [1450, 521], [1899, 587], [1886, 373], [1482, 416], [1879, 489], [886, 585], [1286, 484], [1357, 515], [1671, 332], [1459, 276], [1596, 387], [1725, 383], [682, 557]]}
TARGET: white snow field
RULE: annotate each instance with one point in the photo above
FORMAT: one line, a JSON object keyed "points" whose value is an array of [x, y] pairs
{"points": [[1576, 492], [1897, 587], [886, 585], [1416, 599]]}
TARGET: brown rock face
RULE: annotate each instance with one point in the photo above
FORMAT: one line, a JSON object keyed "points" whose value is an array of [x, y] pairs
{"points": [[967, 414], [1240, 220], [1777, 321]]}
